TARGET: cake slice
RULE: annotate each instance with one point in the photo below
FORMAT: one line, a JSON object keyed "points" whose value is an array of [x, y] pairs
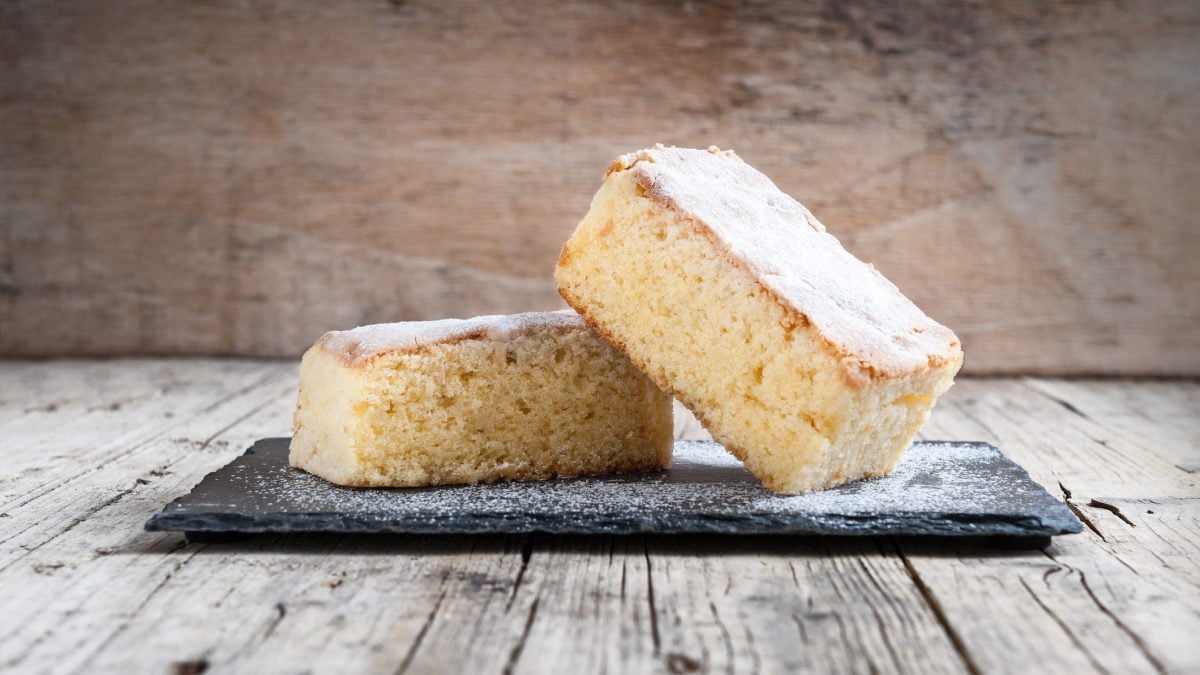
{"points": [[806, 363], [518, 397]]}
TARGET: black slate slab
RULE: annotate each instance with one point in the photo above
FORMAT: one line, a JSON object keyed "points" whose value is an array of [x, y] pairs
{"points": [[939, 489]]}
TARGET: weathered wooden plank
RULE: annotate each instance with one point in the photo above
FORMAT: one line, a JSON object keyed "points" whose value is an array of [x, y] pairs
{"points": [[89, 419], [682, 604], [211, 178], [1162, 416], [1011, 612], [38, 397], [1125, 596], [404, 604], [587, 587], [87, 544], [795, 605], [93, 472], [1055, 444], [102, 595]]}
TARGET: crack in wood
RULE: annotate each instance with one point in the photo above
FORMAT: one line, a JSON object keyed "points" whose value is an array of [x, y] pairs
{"points": [[280, 612], [755, 657], [800, 628], [424, 630], [1137, 639], [192, 667], [897, 664], [515, 655], [1086, 521], [726, 638], [526, 554], [1065, 491], [1083, 518], [848, 646], [1066, 628], [1064, 403], [1050, 572], [1111, 508], [795, 579], [622, 582], [939, 613], [654, 636], [678, 664]]}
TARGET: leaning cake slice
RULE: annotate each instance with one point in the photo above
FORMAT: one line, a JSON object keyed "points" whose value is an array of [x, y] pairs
{"points": [[518, 397], [805, 362]]}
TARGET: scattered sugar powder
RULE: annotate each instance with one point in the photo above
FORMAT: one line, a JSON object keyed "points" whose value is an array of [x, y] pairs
{"points": [[941, 477]]}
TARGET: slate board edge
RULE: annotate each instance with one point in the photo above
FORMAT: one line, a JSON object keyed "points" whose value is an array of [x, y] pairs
{"points": [[1060, 521], [940, 525]]}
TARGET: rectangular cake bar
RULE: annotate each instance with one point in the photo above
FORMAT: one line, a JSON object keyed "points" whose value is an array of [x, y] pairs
{"points": [[805, 362], [526, 396]]}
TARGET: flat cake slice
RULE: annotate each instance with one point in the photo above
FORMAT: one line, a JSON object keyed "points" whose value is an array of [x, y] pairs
{"points": [[519, 397], [805, 362]]}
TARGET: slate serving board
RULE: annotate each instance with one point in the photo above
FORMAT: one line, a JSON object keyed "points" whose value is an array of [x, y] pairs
{"points": [[939, 489]]}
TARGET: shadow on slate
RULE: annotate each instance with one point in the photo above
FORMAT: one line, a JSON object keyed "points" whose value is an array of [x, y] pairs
{"points": [[940, 489]]}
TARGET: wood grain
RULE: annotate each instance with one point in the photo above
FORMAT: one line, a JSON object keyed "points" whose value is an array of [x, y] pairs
{"points": [[222, 178], [93, 448], [1125, 595]]}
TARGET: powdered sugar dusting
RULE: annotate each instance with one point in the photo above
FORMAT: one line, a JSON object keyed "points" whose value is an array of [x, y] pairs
{"points": [[923, 480], [782, 242], [366, 342], [938, 488]]}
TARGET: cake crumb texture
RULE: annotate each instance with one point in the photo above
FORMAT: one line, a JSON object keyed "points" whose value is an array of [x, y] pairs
{"points": [[526, 396]]}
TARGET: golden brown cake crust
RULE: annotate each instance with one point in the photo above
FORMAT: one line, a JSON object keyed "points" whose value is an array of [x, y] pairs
{"points": [[862, 317], [359, 346]]}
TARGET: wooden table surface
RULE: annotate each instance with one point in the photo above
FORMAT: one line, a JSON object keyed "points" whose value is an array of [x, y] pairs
{"points": [[91, 449]]}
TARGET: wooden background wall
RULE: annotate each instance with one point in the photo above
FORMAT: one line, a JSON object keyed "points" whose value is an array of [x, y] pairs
{"points": [[238, 177]]}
